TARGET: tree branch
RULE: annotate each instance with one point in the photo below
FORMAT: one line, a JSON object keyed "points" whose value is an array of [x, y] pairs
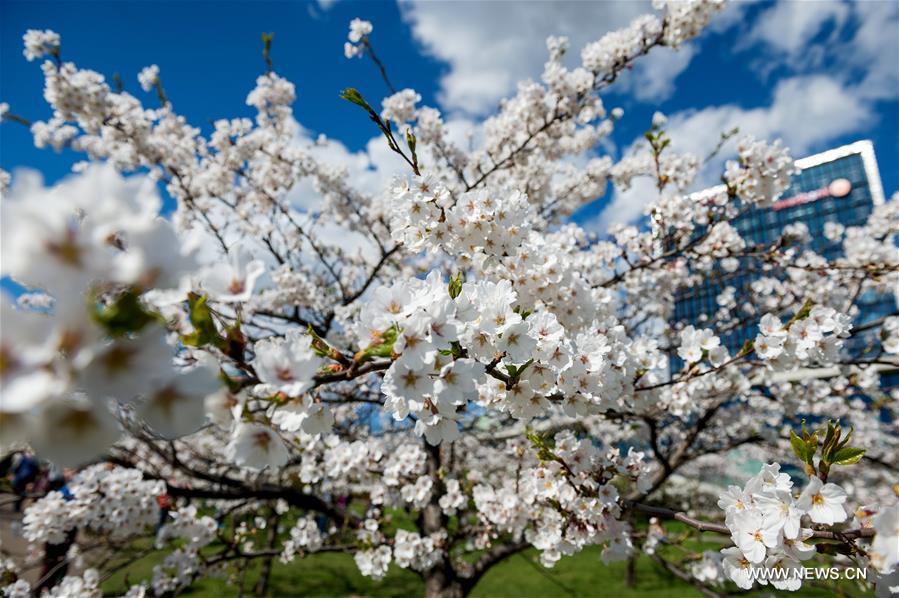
{"points": [[705, 526]]}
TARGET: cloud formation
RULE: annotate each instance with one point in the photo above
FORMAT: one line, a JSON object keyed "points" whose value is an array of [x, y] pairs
{"points": [[806, 112], [843, 59], [858, 42], [789, 27], [490, 46]]}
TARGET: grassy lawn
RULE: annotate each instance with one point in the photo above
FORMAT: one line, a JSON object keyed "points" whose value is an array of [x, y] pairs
{"points": [[333, 574], [521, 575]]}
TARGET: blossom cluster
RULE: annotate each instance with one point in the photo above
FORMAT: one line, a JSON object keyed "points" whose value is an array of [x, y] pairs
{"points": [[771, 527], [106, 500], [816, 338], [884, 553], [95, 246], [40, 43], [305, 537], [373, 562], [412, 551], [698, 343], [423, 380], [359, 30], [191, 532], [463, 307], [432, 380], [672, 168], [574, 496], [400, 107], [766, 526], [762, 172]]}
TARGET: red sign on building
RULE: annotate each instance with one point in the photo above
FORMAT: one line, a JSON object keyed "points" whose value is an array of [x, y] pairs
{"points": [[837, 188]]}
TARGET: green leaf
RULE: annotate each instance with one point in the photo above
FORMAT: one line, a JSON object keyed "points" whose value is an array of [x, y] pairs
{"points": [[456, 350], [515, 372], [124, 315], [410, 141], [802, 314], [543, 444], [848, 455], [805, 310], [524, 366], [455, 286], [524, 313], [351, 94], [798, 446], [846, 438], [205, 332], [235, 342], [319, 345], [267, 48], [233, 385], [384, 348], [811, 447], [830, 441]]}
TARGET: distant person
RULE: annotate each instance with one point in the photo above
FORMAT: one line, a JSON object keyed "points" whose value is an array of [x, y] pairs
{"points": [[25, 472], [165, 506]]}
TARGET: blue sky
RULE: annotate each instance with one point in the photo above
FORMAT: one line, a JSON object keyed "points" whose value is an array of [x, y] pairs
{"points": [[209, 54], [818, 74]]}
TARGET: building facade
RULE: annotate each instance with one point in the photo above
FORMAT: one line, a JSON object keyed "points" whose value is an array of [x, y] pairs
{"points": [[841, 185]]}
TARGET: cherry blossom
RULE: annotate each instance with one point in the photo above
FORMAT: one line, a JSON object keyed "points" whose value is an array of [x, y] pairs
{"points": [[452, 347]]}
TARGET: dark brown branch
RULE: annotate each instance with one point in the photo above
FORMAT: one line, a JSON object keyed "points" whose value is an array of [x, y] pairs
{"points": [[705, 526], [372, 276], [654, 444], [489, 559], [684, 576], [377, 61]]}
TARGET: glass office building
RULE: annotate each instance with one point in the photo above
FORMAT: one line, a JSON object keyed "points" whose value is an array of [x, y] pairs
{"points": [[840, 185]]}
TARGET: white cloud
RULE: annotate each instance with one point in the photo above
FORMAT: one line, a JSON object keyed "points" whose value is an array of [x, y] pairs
{"points": [[788, 27], [653, 78], [625, 207], [732, 14], [806, 112], [490, 46], [874, 49], [368, 171], [861, 44]]}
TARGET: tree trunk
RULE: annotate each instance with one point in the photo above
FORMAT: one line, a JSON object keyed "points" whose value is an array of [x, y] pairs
{"points": [[266, 570], [441, 580], [630, 573], [440, 583]]}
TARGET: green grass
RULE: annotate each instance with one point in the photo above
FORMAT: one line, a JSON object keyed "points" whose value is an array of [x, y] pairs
{"points": [[331, 575], [334, 574], [582, 574], [519, 576]]}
